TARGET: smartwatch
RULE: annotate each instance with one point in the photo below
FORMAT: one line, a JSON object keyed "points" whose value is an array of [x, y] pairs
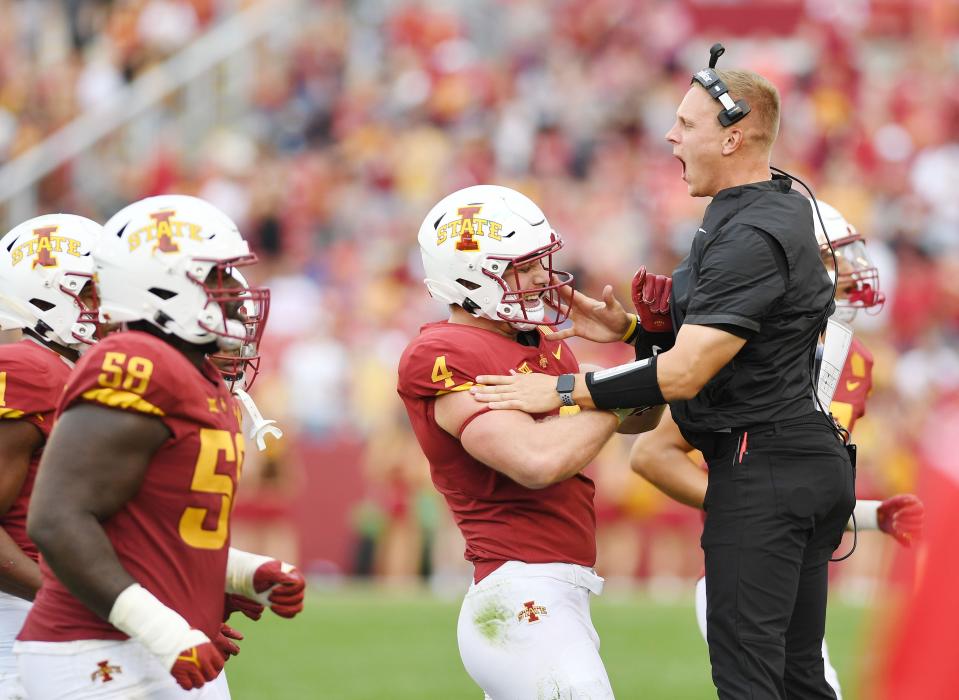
{"points": [[564, 387]]}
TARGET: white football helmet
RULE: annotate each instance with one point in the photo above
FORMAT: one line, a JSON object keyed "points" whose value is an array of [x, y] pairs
{"points": [[471, 242], [858, 286], [170, 261], [45, 263]]}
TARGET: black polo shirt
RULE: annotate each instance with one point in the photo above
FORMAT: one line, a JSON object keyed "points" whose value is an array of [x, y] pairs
{"points": [[754, 270]]}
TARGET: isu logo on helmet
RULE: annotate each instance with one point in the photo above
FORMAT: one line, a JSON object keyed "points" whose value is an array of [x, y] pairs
{"points": [[467, 228], [163, 231], [42, 247]]}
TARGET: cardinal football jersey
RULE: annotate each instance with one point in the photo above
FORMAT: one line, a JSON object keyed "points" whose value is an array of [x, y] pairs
{"points": [[173, 536], [500, 519], [855, 383], [32, 379]]}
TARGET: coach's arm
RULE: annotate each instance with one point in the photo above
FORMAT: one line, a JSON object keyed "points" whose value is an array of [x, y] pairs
{"points": [[675, 375]]}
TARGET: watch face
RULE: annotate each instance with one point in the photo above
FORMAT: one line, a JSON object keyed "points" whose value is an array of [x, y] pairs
{"points": [[565, 383]]}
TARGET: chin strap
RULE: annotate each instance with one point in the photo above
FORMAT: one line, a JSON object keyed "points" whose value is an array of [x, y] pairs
{"points": [[261, 427]]}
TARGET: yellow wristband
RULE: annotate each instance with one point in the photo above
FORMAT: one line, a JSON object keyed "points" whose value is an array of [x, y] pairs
{"points": [[633, 319]]}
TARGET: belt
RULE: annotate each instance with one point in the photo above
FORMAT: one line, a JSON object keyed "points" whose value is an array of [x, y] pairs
{"points": [[575, 574], [778, 426]]}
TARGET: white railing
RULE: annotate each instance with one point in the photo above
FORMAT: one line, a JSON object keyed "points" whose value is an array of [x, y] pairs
{"points": [[206, 84]]}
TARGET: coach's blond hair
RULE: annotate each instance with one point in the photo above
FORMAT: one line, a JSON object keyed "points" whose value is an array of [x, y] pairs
{"points": [[763, 99]]}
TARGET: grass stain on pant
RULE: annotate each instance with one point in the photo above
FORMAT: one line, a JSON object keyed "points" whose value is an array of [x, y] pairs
{"points": [[490, 620]]}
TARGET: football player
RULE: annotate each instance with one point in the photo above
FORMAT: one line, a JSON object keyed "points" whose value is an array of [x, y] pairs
{"points": [[46, 289], [512, 481], [662, 455], [132, 501]]}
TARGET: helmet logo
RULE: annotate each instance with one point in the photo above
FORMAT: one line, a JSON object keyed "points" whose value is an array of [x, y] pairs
{"points": [[467, 228], [164, 232], [42, 247]]}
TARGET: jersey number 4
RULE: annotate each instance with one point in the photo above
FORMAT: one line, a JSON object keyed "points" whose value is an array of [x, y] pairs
{"points": [[441, 373], [206, 479]]}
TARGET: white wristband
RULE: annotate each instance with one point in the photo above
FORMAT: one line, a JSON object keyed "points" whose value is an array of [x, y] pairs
{"points": [[867, 515], [163, 631], [241, 567]]}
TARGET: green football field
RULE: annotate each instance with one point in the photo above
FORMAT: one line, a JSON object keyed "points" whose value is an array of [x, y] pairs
{"points": [[367, 644]]}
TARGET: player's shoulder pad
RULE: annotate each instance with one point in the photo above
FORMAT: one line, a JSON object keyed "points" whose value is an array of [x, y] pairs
{"points": [[130, 371], [443, 358], [33, 379]]}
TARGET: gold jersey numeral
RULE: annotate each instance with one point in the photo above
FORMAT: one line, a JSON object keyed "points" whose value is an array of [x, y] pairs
{"points": [[206, 479], [441, 373]]}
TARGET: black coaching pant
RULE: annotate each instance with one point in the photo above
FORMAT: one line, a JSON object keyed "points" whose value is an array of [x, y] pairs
{"points": [[779, 497]]}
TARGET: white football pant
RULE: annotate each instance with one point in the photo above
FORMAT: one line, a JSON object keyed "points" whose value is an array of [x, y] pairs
{"points": [[100, 669], [832, 678], [13, 611], [525, 633]]}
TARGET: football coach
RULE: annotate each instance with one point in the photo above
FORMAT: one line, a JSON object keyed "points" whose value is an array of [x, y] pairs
{"points": [[731, 349]]}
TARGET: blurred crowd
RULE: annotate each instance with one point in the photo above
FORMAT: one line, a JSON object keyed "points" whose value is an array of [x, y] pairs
{"points": [[376, 109]]}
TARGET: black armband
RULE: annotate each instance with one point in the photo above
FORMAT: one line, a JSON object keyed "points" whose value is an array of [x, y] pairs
{"points": [[649, 343], [632, 385]]}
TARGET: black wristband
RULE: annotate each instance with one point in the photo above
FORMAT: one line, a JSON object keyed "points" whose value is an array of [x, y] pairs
{"points": [[628, 386], [649, 343]]}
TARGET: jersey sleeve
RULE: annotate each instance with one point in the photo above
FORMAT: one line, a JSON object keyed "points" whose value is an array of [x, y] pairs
{"points": [[855, 385], [28, 390], [437, 366], [127, 372], [740, 278]]}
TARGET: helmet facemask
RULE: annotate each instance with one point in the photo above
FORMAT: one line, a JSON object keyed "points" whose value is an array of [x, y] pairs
{"points": [[236, 314], [858, 285], [526, 307], [82, 288]]}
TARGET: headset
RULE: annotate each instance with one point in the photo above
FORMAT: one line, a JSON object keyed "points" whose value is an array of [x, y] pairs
{"points": [[731, 112]]}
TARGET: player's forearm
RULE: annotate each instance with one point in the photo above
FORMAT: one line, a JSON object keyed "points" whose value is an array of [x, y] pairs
{"points": [[561, 447], [78, 550], [19, 574], [670, 470]]}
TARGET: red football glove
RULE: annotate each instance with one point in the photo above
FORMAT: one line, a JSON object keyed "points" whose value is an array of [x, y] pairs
{"points": [[197, 665], [651, 299], [287, 589], [902, 517], [240, 603], [224, 641]]}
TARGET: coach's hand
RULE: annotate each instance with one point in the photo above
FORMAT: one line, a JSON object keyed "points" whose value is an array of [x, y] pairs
{"points": [[602, 321], [651, 299], [197, 665], [281, 586], [902, 517], [531, 393]]}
